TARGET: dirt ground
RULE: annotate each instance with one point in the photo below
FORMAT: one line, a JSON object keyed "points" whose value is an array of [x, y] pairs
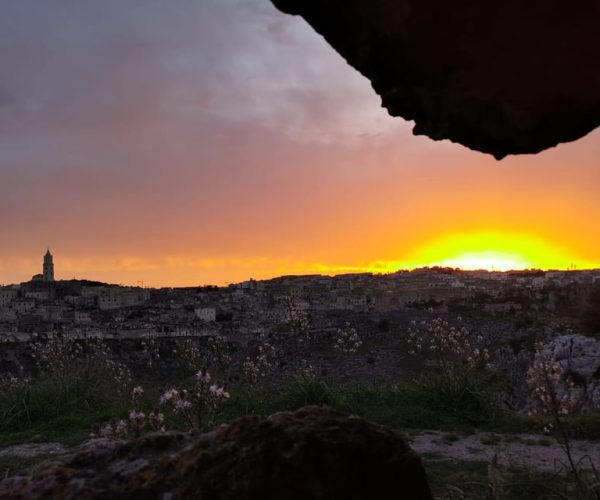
{"points": [[529, 451]]}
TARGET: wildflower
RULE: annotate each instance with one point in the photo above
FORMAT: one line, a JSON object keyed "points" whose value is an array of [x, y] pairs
{"points": [[136, 415], [219, 348], [182, 405], [137, 419], [203, 376], [189, 354], [298, 320], [121, 428], [262, 364], [218, 392], [348, 340], [116, 429], [156, 419], [169, 396]]}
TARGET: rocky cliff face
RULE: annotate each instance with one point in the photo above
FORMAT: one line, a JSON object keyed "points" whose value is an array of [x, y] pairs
{"points": [[579, 360], [312, 454], [510, 77]]}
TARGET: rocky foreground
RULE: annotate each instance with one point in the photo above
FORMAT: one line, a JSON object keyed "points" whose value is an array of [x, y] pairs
{"points": [[312, 453]]}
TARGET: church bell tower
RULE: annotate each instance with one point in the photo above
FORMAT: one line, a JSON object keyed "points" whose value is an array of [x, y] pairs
{"points": [[48, 272]]}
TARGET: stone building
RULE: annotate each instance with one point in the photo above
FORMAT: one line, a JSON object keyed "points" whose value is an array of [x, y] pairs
{"points": [[47, 269], [7, 296]]}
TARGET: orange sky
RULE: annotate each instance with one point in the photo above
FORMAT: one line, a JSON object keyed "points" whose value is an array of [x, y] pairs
{"points": [[197, 155]]}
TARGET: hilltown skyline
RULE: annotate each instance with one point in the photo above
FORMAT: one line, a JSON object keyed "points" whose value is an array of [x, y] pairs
{"points": [[47, 274]]}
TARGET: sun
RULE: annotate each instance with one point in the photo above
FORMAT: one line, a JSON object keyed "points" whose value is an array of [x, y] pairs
{"points": [[487, 259], [494, 251]]}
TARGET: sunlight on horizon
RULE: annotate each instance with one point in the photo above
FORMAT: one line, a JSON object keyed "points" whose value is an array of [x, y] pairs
{"points": [[478, 250], [485, 250], [489, 260], [496, 251]]}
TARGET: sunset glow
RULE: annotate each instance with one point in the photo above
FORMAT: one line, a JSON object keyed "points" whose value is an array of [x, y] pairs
{"points": [[489, 260], [226, 141], [497, 251]]}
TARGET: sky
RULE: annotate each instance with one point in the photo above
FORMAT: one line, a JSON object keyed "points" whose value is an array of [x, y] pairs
{"points": [[210, 141]]}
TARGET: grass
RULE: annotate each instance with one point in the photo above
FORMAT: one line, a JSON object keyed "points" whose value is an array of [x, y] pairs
{"points": [[410, 406], [414, 406], [46, 411], [68, 416]]}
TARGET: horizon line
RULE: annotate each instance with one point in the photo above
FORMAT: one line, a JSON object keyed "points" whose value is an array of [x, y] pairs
{"points": [[332, 275]]}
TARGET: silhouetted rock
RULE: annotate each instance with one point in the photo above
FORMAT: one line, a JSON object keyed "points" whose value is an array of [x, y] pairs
{"points": [[312, 454], [510, 77], [579, 359]]}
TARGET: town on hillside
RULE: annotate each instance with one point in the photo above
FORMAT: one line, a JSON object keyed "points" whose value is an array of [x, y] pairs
{"points": [[43, 306]]}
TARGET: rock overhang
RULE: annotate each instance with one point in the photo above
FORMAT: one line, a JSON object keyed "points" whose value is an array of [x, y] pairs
{"points": [[512, 77]]}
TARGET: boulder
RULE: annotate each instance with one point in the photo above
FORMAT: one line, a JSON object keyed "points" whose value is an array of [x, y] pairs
{"points": [[579, 360], [510, 77], [577, 354], [312, 453]]}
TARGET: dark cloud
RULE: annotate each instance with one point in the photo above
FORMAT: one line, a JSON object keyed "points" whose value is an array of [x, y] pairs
{"points": [[87, 76], [118, 97]]}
